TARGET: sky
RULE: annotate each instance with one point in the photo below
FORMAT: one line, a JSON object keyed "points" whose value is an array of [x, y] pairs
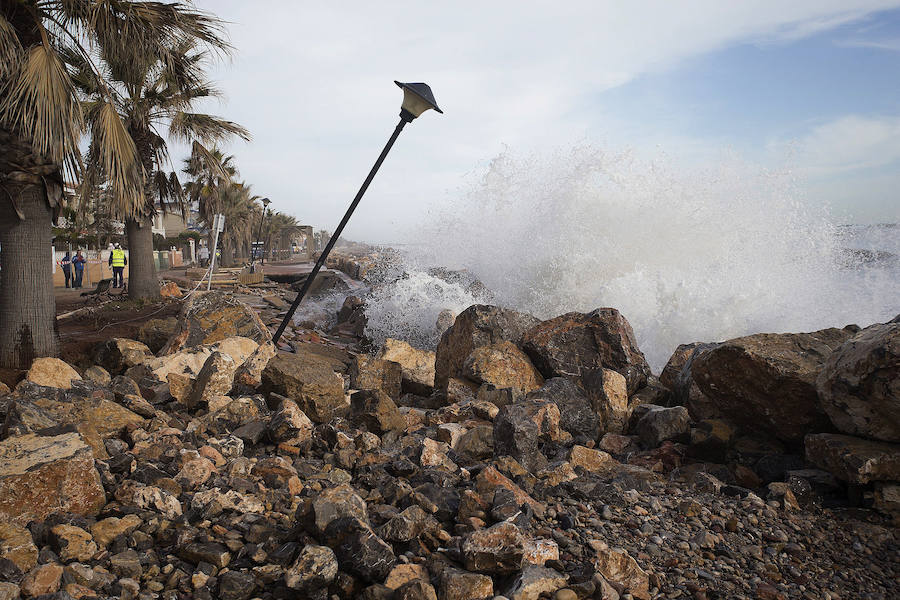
{"points": [[809, 86]]}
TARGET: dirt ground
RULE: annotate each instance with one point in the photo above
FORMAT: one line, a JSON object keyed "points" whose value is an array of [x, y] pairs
{"points": [[100, 321]]}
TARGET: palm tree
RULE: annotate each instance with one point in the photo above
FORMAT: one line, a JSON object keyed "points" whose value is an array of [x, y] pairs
{"points": [[237, 206], [41, 123], [281, 228], [210, 172], [158, 95]]}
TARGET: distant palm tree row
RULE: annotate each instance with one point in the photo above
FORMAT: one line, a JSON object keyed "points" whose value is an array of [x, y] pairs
{"points": [[124, 78], [214, 190]]}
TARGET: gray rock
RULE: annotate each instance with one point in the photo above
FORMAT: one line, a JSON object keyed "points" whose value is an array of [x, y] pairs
{"points": [[859, 385]]}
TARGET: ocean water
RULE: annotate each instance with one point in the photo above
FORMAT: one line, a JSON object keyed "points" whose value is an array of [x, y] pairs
{"points": [[686, 255]]}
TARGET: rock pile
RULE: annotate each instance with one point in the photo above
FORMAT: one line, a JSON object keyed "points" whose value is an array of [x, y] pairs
{"points": [[522, 460]]}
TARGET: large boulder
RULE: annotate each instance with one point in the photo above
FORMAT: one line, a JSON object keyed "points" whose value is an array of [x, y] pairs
{"points": [[92, 411], [502, 365], [854, 460], [309, 381], [859, 386], [52, 372], [209, 317], [43, 475], [478, 325], [417, 366], [570, 344], [767, 382]]}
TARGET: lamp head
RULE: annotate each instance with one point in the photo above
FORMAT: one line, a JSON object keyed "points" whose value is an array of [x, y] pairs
{"points": [[265, 202], [417, 98]]}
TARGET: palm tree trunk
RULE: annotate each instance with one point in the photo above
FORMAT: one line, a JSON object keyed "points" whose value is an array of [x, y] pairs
{"points": [[27, 303], [142, 282]]}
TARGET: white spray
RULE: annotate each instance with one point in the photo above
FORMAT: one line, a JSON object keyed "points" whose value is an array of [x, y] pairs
{"points": [[687, 256]]}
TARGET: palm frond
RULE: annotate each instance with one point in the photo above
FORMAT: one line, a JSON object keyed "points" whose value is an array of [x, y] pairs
{"points": [[10, 49], [121, 166], [187, 126], [42, 103]]}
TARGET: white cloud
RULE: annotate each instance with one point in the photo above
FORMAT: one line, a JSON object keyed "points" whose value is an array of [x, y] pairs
{"points": [[850, 143], [313, 83], [892, 45]]}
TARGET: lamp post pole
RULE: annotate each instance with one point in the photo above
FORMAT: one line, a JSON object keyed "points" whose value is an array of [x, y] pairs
{"points": [[262, 217], [417, 99]]}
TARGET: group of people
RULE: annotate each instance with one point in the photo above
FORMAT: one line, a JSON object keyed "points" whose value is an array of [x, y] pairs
{"points": [[73, 267], [69, 262]]}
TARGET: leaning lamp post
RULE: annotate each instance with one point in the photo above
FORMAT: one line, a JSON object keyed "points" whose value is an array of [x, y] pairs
{"points": [[262, 217], [417, 98]]}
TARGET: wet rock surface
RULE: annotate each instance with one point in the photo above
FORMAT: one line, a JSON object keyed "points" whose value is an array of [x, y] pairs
{"points": [[250, 473]]}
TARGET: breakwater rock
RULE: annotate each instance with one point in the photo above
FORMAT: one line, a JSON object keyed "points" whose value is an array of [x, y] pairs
{"points": [[520, 460]]}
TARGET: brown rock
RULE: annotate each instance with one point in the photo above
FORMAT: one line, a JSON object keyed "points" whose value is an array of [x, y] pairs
{"points": [[290, 425], [92, 412], [568, 345], [534, 581], [118, 354], [106, 530], [249, 375], [608, 393], [859, 386], [43, 579], [502, 365], [595, 461], [478, 325], [417, 366], [73, 543], [367, 373], [17, 545], [854, 460], [499, 549], [404, 573], [336, 503], [209, 317], [374, 410], [52, 372], [98, 375], [41, 475], [417, 589], [215, 378], [170, 289], [311, 382], [456, 584], [489, 479], [618, 567], [520, 428], [766, 382]]}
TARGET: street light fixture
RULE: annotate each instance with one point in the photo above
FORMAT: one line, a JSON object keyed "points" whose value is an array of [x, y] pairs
{"points": [[417, 98], [262, 217]]}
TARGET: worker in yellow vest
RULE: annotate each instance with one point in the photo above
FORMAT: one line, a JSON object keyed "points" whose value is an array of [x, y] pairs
{"points": [[118, 260]]}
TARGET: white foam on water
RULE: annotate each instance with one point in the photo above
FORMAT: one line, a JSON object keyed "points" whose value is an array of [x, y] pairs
{"points": [[686, 255]]}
